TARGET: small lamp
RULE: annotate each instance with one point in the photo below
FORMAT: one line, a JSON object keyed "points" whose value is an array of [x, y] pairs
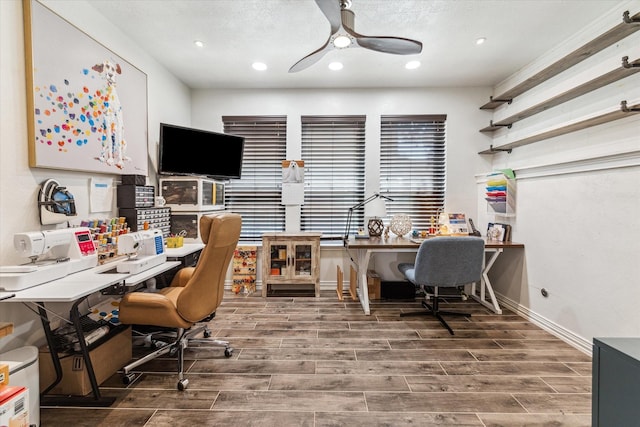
{"points": [[377, 209], [369, 199]]}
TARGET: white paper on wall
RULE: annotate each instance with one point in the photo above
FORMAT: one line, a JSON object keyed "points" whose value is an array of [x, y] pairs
{"points": [[292, 193], [101, 194]]}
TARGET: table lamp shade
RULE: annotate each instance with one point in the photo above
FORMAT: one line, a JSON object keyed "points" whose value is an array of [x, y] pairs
{"points": [[377, 208]]}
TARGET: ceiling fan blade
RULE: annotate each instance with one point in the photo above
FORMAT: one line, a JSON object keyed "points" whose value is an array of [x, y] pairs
{"points": [[395, 45], [331, 9], [312, 58]]}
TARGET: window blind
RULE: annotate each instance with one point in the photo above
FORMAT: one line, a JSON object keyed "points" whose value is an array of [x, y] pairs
{"points": [[413, 166], [257, 195], [333, 152]]}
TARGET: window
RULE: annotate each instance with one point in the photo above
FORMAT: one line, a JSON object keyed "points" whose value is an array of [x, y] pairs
{"points": [[333, 152], [256, 196], [412, 166]]}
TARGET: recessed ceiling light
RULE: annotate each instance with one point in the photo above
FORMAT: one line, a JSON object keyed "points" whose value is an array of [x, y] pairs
{"points": [[199, 43], [481, 40], [412, 65], [335, 66], [259, 66]]}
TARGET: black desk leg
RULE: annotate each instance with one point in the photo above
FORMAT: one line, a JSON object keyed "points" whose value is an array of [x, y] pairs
{"points": [[48, 333], [63, 400]]}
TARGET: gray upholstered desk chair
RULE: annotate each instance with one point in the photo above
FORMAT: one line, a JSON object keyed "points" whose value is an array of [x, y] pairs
{"points": [[444, 262], [193, 297]]}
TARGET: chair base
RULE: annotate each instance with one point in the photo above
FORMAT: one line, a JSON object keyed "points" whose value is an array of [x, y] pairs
{"points": [[177, 346], [434, 311]]}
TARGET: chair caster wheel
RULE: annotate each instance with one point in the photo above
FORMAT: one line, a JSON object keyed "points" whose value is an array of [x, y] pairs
{"points": [[182, 384], [228, 352], [128, 378], [206, 333]]}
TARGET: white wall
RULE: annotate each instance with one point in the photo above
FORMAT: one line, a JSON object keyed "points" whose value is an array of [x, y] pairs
{"points": [[168, 100], [578, 199], [464, 118]]}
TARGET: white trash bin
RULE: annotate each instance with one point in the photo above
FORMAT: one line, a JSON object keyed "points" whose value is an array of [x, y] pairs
{"points": [[24, 371]]}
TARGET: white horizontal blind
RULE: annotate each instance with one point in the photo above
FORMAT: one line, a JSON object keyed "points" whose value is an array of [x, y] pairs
{"points": [[333, 152], [257, 195], [412, 166]]}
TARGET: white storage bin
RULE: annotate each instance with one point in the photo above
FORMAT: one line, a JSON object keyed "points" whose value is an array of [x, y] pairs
{"points": [[188, 224], [24, 371], [190, 194]]}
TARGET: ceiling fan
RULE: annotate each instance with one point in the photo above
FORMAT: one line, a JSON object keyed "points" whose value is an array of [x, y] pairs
{"points": [[343, 36]]}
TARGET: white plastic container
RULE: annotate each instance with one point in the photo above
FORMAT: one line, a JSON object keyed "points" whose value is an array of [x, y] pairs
{"points": [[24, 371]]}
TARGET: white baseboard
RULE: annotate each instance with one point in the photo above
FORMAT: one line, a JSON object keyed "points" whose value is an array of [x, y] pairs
{"points": [[565, 335]]}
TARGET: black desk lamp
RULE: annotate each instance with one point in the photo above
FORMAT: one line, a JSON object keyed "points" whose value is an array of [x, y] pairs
{"points": [[358, 206]]}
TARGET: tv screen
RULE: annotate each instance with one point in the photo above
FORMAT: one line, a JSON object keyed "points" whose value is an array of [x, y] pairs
{"points": [[187, 151]]}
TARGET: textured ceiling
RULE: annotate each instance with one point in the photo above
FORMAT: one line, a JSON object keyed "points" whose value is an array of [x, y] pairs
{"points": [[280, 32]]}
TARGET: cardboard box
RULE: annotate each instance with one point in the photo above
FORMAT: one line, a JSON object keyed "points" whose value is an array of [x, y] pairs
{"points": [[106, 359], [14, 406], [4, 374], [373, 284]]}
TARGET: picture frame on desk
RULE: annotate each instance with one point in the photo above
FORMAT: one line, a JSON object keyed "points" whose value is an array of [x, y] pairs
{"points": [[499, 232]]}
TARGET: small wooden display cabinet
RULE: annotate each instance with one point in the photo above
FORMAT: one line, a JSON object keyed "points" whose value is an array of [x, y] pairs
{"points": [[291, 264]]}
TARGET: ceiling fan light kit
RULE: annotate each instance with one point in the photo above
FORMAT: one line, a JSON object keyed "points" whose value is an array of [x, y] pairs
{"points": [[341, 41], [343, 36]]}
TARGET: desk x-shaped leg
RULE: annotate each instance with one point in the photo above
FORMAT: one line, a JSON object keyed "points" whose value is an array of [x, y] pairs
{"points": [[485, 283]]}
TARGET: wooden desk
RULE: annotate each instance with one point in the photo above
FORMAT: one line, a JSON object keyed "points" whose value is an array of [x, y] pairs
{"points": [[364, 248]]}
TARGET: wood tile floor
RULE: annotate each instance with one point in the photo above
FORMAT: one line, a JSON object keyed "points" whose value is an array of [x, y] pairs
{"points": [[319, 362]]}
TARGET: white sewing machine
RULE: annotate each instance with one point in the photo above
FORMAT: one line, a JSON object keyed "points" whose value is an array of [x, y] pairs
{"points": [[53, 254], [145, 250]]}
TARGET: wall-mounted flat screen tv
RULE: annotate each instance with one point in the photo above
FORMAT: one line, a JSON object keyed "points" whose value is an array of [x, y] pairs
{"points": [[188, 151]]}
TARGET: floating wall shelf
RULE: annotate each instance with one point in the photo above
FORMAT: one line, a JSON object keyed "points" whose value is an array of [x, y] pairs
{"points": [[626, 69], [629, 25], [623, 111]]}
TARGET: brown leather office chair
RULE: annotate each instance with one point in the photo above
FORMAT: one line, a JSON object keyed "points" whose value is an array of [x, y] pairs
{"points": [[193, 296]]}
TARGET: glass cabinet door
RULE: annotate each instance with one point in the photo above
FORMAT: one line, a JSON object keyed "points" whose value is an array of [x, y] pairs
{"points": [[303, 261], [279, 255]]}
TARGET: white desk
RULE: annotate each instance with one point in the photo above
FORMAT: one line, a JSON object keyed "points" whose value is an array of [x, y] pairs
{"points": [[184, 250], [76, 288], [365, 248], [84, 283]]}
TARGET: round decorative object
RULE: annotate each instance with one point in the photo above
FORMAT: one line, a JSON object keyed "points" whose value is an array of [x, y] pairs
{"points": [[400, 225]]}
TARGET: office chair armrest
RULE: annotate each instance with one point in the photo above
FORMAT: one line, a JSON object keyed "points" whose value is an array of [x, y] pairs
{"points": [[182, 277]]}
